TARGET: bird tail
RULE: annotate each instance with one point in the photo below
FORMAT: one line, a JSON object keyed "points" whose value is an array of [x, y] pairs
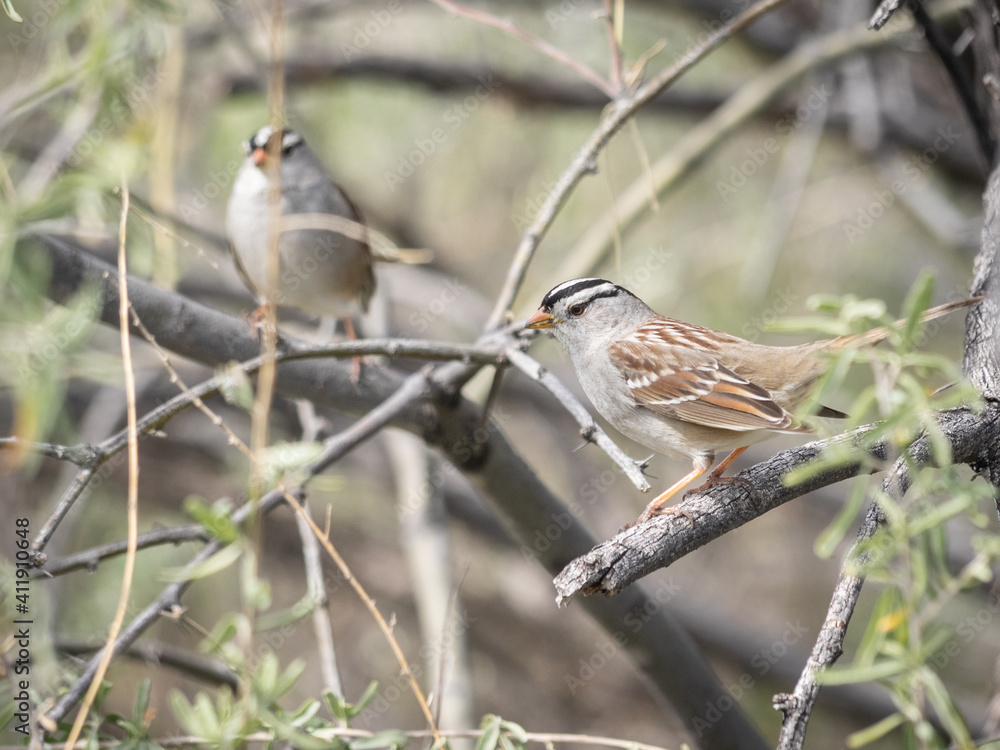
{"points": [[877, 335]]}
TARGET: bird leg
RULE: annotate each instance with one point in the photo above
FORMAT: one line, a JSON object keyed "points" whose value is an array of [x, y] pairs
{"points": [[716, 476], [356, 361], [700, 467], [656, 506]]}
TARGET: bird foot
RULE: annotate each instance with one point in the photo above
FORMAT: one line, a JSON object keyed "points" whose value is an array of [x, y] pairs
{"points": [[714, 481], [658, 510]]}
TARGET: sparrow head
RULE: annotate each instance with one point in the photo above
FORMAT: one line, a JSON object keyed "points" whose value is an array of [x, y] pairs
{"points": [[578, 306], [266, 139]]}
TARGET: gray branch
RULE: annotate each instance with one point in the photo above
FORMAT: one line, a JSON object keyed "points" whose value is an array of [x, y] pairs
{"points": [[589, 429], [644, 548]]}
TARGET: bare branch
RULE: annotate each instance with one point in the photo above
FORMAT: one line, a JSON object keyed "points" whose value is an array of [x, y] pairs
{"points": [[622, 109], [638, 551], [187, 662], [83, 455], [547, 49], [589, 429], [797, 706], [90, 558]]}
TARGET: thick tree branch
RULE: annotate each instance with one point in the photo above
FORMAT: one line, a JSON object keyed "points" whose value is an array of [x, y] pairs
{"points": [[981, 362], [641, 549]]}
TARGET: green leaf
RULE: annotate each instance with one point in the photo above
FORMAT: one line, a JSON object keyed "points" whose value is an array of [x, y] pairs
{"points": [[142, 700], [287, 679], [7, 712], [338, 707], [184, 713], [491, 733], [366, 697], [876, 731], [515, 730], [8, 7], [235, 386], [387, 738], [826, 543], [214, 564], [280, 458], [216, 518], [946, 710], [846, 675], [305, 712], [917, 300]]}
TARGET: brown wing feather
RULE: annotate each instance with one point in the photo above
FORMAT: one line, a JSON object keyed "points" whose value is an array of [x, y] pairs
{"points": [[690, 384]]}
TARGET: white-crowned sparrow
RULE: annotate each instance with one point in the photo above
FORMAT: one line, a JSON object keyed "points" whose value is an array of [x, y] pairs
{"points": [[321, 270], [681, 389]]}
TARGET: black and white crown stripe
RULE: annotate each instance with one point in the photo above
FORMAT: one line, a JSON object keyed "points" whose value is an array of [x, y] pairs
{"points": [[582, 291], [259, 139]]}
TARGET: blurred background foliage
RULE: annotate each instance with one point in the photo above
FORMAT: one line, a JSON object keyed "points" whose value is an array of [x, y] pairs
{"points": [[159, 96]]}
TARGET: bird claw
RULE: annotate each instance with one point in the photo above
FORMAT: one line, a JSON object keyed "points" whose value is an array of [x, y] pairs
{"points": [[714, 481], [653, 510]]}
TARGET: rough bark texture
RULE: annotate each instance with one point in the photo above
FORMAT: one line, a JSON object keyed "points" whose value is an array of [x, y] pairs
{"points": [[638, 551]]}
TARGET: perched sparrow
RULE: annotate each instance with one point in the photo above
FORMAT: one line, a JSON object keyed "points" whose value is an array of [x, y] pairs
{"points": [[684, 390], [325, 265]]}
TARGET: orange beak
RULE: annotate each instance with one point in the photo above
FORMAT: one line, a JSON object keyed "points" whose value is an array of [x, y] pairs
{"points": [[259, 155], [541, 319]]}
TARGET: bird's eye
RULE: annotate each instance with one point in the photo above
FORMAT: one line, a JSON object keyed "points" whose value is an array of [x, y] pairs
{"points": [[577, 310]]}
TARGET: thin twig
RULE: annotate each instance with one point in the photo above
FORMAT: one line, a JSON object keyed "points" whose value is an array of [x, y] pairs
{"points": [[614, 44], [83, 455], [313, 565], [547, 49], [99, 454], [187, 662], [748, 101], [334, 732], [382, 623], [88, 559], [960, 77], [797, 706], [589, 429], [334, 448], [623, 108], [133, 486]]}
